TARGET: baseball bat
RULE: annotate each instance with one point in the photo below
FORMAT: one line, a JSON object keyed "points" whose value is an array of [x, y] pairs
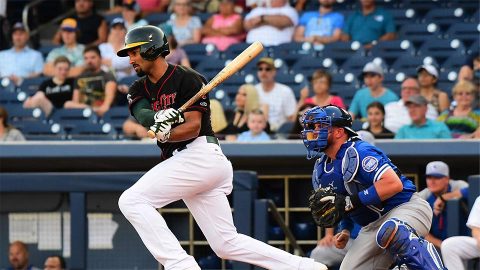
{"points": [[235, 65]]}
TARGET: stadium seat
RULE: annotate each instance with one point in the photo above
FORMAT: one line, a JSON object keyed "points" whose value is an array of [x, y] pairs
{"points": [[444, 17], [474, 48], [41, 131], [409, 64], [453, 63], [466, 32], [200, 52], [30, 85], [354, 64], [157, 18], [475, 18], [45, 49], [467, 5], [70, 118], [393, 81], [204, 16], [403, 16], [390, 51], [290, 52], [441, 49], [128, 80], [20, 114], [292, 80], [346, 79], [8, 99], [116, 116], [251, 67], [92, 131], [423, 6], [211, 67], [307, 65], [235, 49], [225, 95], [418, 33], [344, 91], [341, 51]]}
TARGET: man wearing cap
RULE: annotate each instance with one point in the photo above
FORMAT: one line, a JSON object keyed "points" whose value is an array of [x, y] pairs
{"points": [[70, 49], [131, 13], [440, 188], [374, 91], [421, 127], [271, 25], [20, 61], [92, 27], [116, 39], [396, 113], [279, 97], [427, 78]]}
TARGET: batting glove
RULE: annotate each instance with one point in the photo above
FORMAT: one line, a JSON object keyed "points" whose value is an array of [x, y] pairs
{"points": [[162, 131], [169, 115]]}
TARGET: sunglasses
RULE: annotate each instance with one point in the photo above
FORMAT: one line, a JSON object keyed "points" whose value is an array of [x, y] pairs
{"points": [[266, 69]]}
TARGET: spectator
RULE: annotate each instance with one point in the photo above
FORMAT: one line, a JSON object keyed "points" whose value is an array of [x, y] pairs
{"points": [[18, 257], [225, 28], [271, 25], [471, 70], [153, 6], [295, 132], [132, 129], [7, 131], [463, 120], [321, 83], [54, 92], [88, 20], [421, 127], [116, 38], [131, 13], [320, 27], [458, 249], [396, 113], [326, 252], [257, 122], [370, 25], [71, 49], [94, 88], [279, 97], [186, 28], [427, 78], [20, 61], [177, 55], [217, 115], [376, 116], [246, 101], [374, 91], [439, 185], [55, 262]]}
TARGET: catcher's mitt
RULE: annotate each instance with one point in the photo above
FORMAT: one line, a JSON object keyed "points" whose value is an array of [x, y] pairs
{"points": [[327, 207]]}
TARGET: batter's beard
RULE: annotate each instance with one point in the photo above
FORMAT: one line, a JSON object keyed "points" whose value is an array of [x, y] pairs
{"points": [[140, 73]]}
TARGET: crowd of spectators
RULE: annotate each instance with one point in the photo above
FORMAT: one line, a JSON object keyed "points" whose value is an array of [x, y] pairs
{"points": [[84, 71]]}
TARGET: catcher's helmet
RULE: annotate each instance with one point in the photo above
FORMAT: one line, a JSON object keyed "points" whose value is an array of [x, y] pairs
{"points": [[316, 124], [151, 40]]}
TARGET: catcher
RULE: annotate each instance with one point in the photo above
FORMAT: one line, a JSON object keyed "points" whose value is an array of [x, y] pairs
{"points": [[356, 182]]}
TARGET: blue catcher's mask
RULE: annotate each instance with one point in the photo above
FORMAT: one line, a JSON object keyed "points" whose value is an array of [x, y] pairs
{"points": [[316, 125]]}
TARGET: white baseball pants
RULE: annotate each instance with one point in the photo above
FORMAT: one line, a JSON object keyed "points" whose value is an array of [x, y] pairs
{"points": [[202, 177], [457, 250]]}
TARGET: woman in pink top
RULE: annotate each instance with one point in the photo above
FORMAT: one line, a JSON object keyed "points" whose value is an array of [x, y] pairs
{"points": [[321, 82], [225, 28]]}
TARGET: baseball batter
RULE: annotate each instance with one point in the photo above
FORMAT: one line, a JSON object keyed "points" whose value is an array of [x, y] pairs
{"points": [[194, 168], [356, 182]]}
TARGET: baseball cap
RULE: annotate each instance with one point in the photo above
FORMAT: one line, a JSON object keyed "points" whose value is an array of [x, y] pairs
{"points": [[18, 26], [416, 99], [371, 67], [437, 169], [428, 68], [117, 21], [69, 24], [268, 61]]}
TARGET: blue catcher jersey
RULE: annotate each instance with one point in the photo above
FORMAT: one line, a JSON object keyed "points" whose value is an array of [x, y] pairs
{"points": [[357, 166]]}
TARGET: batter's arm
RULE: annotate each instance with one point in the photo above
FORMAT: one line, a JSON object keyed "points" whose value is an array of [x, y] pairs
{"points": [[142, 112], [188, 129]]}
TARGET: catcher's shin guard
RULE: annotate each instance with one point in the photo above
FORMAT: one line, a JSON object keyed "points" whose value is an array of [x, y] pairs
{"points": [[407, 247]]}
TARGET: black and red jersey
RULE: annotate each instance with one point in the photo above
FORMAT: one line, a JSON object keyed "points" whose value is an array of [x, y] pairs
{"points": [[174, 88]]}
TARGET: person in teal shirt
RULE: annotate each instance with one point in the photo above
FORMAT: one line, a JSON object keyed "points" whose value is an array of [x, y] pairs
{"points": [[374, 91], [421, 127]]}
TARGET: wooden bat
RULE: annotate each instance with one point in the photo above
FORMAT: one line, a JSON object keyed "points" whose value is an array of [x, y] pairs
{"points": [[235, 65]]}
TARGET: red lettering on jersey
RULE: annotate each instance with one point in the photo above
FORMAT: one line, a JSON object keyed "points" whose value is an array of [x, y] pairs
{"points": [[164, 102]]}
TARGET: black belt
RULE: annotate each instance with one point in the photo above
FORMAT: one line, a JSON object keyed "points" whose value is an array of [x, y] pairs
{"points": [[210, 139]]}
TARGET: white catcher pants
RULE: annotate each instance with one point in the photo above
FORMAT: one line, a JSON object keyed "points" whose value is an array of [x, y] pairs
{"points": [[457, 250], [202, 177]]}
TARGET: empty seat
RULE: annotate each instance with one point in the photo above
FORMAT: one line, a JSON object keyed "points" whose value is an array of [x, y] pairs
{"points": [[30, 85], [211, 67], [409, 64], [42, 131], [235, 49], [290, 52], [8, 98], [307, 65], [129, 80], [390, 51], [466, 32], [403, 16], [92, 131], [341, 51], [419, 33], [157, 18], [291, 80], [116, 116], [20, 114], [453, 63], [70, 118], [200, 52], [346, 92], [441, 49], [444, 17], [355, 64]]}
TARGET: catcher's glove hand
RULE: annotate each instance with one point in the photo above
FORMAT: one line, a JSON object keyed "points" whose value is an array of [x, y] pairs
{"points": [[327, 207]]}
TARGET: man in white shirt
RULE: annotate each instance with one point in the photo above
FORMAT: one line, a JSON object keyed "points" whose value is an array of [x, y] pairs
{"points": [[396, 113], [272, 25], [279, 97]]}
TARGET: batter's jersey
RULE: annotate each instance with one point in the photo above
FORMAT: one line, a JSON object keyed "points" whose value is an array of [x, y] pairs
{"points": [[174, 88], [371, 164]]}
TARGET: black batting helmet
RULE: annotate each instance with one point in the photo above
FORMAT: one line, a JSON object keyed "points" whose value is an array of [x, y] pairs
{"points": [[340, 118], [151, 40]]}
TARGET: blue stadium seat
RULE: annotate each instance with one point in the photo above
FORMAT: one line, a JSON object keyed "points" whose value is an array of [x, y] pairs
{"points": [[225, 95], [441, 49], [129, 80], [474, 48], [20, 114], [393, 81], [211, 67], [45, 49], [204, 16], [355, 64], [346, 80], [30, 86], [8, 99], [235, 49], [70, 118], [290, 52], [41, 131], [307, 65], [453, 63], [403, 16], [92, 131], [467, 5], [444, 17], [423, 6], [236, 80], [466, 32], [418, 33], [116, 116], [409, 64], [475, 18], [390, 51], [341, 51], [157, 18], [292, 80], [200, 52], [346, 92]]}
